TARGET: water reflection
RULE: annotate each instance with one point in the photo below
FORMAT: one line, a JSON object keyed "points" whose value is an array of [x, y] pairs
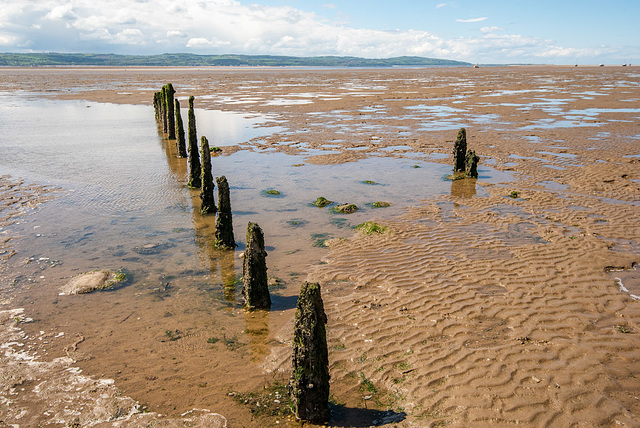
{"points": [[464, 188], [257, 330]]}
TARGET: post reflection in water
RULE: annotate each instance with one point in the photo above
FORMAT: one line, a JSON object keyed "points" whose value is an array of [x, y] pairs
{"points": [[256, 322], [257, 329], [465, 188]]}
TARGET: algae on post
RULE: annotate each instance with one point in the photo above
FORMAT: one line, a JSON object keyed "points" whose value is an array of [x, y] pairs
{"points": [[254, 271], [206, 194], [181, 144], [309, 384], [194, 159], [224, 222], [460, 151]]}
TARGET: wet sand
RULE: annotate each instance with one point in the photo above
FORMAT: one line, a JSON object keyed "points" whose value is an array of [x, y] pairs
{"points": [[475, 308]]}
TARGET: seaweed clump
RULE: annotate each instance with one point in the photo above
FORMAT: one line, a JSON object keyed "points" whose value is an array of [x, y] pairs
{"points": [[345, 208], [369, 228], [322, 202]]}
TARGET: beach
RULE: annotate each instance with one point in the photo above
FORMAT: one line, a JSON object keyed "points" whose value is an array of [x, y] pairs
{"points": [[507, 300]]}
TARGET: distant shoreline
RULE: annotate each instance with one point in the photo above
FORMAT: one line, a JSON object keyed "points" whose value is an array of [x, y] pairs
{"points": [[190, 60]]}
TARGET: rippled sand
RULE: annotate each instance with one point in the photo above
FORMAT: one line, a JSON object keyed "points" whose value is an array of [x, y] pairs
{"points": [[474, 308]]}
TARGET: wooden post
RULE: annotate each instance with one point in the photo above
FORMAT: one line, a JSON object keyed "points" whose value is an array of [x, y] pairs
{"points": [[206, 194], [255, 288], [309, 384], [194, 160], [224, 222]]}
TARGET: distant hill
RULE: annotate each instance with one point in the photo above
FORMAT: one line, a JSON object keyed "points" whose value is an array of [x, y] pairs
{"points": [[192, 60]]}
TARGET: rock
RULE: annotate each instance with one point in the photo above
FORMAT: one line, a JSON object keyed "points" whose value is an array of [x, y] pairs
{"points": [[322, 202], [92, 281], [346, 208]]}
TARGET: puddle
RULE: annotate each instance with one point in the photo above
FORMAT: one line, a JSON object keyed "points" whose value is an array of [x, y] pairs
{"points": [[628, 281], [560, 155], [554, 124], [552, 185]]}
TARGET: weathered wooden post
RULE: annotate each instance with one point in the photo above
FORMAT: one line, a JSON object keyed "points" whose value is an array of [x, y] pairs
{"points": [[309, 384], [194, 160], [163, 109], [255, 288], [169, 111], [460, 151], [224, 222], [180, 143], [471, 164], [157, 104], [206, 193]]}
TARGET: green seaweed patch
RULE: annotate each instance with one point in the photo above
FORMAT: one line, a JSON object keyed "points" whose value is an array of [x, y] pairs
{"points": [[380, 204], [297, 165], [271, 400], [369, 228], [296, 223], [215, 150], [345, 209], [272, 193], [322, 202], [514, 194], [457, 176], [339, 222], [172, 335], [320, 239], [416, 166], [369, 182]]}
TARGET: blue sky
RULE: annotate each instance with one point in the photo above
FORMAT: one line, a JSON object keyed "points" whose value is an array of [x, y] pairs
{"points": [[478, 31]]}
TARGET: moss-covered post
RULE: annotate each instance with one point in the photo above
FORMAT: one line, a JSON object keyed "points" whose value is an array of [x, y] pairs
{"points": [[206, 193], [194, 160], [163, 109], [460, 151], [181, 145], [169, 111], [255, 288], [309, 384], [471, 164], [157, 104], [224, 222]]}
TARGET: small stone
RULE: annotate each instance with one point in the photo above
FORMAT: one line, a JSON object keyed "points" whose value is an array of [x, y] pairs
{"points": [[346, 208], [322, 202], [92, 281]]}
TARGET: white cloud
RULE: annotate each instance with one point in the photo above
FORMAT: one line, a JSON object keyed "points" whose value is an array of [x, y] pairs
{"points": [[232, 26], [63, 12], [472, 19], [491, 29], [175, 33]]}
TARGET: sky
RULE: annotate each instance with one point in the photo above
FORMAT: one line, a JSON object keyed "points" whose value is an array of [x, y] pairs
{"points": [[476, 31]]}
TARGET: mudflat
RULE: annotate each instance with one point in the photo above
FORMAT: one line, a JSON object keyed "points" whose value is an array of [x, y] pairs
{"points": [[510, 299]]}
